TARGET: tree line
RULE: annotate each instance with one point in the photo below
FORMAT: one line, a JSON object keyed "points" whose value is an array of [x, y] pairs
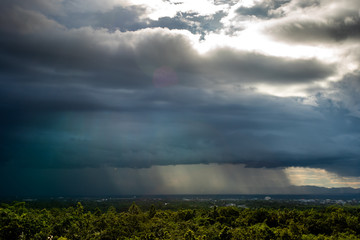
{"points": [[219, 223]]}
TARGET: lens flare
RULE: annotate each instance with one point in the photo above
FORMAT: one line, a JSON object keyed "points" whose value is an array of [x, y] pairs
{"points": [[164, 77]]}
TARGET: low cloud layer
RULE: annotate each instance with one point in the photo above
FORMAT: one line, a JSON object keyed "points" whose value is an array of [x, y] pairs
{"points": [[181, 179]]}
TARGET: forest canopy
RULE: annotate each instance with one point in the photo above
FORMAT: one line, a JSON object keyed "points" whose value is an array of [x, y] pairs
{"points": [[17, 221]]}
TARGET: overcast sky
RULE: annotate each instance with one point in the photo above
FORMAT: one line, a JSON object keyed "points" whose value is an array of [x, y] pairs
{"points": [[163, 96]]}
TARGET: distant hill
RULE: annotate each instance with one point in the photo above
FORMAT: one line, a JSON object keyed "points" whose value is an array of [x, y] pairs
{"points": [[322, 190]]}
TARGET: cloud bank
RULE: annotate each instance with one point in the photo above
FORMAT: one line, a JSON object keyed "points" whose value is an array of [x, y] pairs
{"points": [[124, 84]]}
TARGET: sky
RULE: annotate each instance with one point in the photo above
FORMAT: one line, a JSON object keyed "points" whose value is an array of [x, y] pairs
{"points": [[121, 97]]}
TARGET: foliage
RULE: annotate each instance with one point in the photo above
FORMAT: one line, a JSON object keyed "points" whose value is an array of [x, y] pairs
{"points": [[219, 223]]}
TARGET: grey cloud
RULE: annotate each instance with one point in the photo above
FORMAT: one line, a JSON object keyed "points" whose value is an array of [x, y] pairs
{"points": [[244, 67], [101, 58], [128, 59], [264, 9], [181, 126], [312, 31], [339, 24], [70, 78], [112, 16], [27, 182], [48, 7], [193, 22], [85, 98], [344, 94], [20, 20], [306, 4], [131, 19], [119, 18], [295, 5]]}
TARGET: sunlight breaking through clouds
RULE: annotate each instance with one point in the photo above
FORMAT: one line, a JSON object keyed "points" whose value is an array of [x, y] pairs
{"points": [[301, 176], [200, 179]]}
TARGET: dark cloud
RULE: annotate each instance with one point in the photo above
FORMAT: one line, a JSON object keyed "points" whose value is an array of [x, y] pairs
{"points": [[132, 19], [245, 67], [57, 183], [175, 126], [314, 32], [77, 91], [48, 7], [345, 94], [193, 22], [118, 18], [116, 59], [313, 26], [52, 83], [264, 9]]}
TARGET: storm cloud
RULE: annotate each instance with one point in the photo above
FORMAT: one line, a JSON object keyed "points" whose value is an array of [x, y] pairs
{"points": [[121, 84]]}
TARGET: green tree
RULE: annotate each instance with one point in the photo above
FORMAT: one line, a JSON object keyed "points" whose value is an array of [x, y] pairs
{"points": [[189, 235], [134, 209], [225, 234], [152, 211]]}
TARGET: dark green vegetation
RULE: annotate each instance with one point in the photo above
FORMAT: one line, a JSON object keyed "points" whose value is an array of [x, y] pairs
{"points": [[153, 221]]}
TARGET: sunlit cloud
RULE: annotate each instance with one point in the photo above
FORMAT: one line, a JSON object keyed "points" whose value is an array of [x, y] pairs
{"points": [[300, 176]]}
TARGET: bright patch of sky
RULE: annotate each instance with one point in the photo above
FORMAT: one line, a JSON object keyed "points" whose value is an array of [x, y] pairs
{"points": [[304, 176], [249, 33]]}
